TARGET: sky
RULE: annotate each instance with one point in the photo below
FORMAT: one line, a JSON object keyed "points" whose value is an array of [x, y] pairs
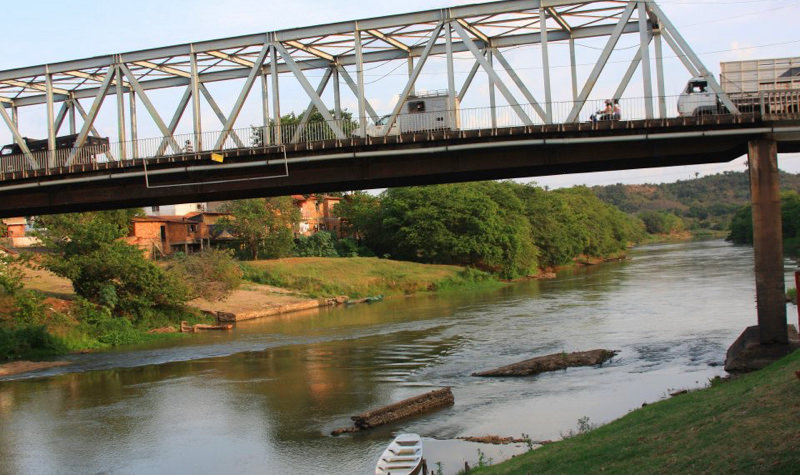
{"points": [[718, 30]]}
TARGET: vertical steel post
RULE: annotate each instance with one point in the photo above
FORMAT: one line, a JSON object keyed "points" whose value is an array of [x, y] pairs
{"points": [[545, 66], [15, 116], [662, 102], [644, 38], [267, 135], [411, 72], [51, 131], [276, 99], [71, 105], [362, 108], [121, 133], [451, 78], [197, 125], [337, 94], [492, 90], [134, 125], [573, 68], [767, 241]]}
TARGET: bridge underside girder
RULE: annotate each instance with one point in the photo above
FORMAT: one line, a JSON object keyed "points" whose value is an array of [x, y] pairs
{"points": [[447, 158]]}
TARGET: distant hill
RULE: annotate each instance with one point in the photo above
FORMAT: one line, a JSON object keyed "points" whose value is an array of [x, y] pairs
{"points": [[707, 202]]}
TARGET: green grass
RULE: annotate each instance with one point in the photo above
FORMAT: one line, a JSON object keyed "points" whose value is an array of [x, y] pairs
{"points": [[361, 276], [748, 425]]}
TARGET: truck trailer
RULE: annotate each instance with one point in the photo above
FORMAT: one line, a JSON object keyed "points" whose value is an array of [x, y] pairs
{"points": [[424, 111], [760, 85]]}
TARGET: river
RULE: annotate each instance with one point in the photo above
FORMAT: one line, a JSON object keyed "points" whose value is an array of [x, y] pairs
{"points": [[264, 398]]}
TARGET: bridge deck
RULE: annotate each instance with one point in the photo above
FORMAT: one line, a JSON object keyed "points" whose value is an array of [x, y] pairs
{"points": [[410, 159]]}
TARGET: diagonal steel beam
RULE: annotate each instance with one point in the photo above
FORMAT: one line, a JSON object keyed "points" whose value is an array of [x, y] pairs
{"points": [[163, 69], [468, 81], [626, 79], [692, 57], [248, 85], [512, 101], [231, 58], [413, 79], [92, 130], [389, 40], [521, 85], [150, 108], [353, 87], [601, 62], [18, 138], [88, 122], [176, 119], [475, 32], [220, 115], [62, 114], [311, 50], [301, 78], [310, 109]]}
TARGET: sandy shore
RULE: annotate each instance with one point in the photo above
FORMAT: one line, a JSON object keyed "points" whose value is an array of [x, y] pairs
{"points": [[256, 301]]}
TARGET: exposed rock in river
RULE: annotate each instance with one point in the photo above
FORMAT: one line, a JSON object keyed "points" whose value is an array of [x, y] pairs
{"points": [[542, 364]]}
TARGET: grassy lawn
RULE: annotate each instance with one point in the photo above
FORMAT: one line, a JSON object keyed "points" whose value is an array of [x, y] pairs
{"points": [[748, 425], [359, 276]]}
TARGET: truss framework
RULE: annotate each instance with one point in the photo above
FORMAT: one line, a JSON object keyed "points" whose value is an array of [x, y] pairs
{"points": [[341, 51]]}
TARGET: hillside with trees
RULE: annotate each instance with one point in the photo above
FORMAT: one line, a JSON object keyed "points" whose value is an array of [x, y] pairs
{"points": [[703, 204]]}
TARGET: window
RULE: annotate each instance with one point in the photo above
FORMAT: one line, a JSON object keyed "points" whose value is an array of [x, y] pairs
{"points": [[155, 209], [416, 106], [697, 87], [192, 228]]}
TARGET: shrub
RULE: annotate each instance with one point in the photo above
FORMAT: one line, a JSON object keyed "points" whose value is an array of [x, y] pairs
{"points": [[212, 274], [28, 341]]}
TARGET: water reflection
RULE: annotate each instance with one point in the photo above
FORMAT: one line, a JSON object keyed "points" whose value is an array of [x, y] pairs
{"points": [[263, 398]]}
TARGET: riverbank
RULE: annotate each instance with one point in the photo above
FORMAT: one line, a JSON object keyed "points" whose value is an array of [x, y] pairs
{"points": [[744, 425]]}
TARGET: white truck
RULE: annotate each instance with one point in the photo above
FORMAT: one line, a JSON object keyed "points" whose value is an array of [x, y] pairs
{"points": [[424, 111], [760, 85]]}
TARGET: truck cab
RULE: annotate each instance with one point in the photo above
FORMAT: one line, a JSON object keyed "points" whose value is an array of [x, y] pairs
{"points": [[697, 99]]}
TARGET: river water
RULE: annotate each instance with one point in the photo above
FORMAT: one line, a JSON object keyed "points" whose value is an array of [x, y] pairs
{"points": [[264, 398]]}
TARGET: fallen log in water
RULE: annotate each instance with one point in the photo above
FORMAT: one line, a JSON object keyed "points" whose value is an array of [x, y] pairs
{"points": [[552, 362], [400, 410], [186, 328]]}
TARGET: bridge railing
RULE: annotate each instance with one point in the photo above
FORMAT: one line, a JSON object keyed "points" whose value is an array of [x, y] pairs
{"points": [[249, 139]]}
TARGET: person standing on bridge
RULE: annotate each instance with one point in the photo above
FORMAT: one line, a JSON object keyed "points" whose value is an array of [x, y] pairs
{"points": [[617, 110], [188, 148]]}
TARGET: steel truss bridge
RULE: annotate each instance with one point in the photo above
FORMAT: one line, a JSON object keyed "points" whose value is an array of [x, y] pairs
{"points": [[527, 135]]}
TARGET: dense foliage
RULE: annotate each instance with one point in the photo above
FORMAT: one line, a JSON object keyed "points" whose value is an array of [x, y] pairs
{"points": [[264, 225], [87, 249], [708, 202], [741, 229], [661, 222], [504, 227]]}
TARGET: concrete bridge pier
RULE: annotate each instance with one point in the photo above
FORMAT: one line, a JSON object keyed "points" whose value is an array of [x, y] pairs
{"points": [[762, 344]]}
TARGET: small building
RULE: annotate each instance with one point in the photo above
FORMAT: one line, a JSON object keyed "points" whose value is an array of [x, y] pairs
{"points": [[160, 236], [17, 233], [317, 214]]}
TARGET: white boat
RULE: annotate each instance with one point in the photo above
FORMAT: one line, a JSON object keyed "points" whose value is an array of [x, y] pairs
{"points": [[402, 457]]}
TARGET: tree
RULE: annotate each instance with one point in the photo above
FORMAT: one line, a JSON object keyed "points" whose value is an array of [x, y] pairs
{"points": [[265, 225], [455, 224], [87, 248], [359, 212], [319, 244]]}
